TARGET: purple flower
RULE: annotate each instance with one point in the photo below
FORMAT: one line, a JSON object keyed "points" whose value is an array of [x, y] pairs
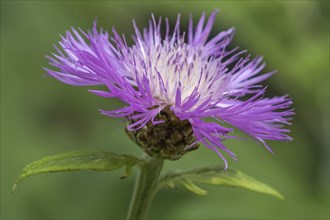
{"points": [[195, 79]]}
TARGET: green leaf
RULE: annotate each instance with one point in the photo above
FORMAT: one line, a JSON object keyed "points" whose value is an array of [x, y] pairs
{"points": [[79, 160], [216, 176]]}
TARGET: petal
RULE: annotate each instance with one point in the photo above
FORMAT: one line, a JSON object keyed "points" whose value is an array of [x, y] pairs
{"points": [[244, 79], [262, 119], [85, 59], [211, 135]]}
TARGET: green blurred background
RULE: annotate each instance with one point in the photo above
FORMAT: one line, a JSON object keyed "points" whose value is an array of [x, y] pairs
{"points": [[41, 116]]}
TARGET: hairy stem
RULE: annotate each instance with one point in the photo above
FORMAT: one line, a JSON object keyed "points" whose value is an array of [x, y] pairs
{"points": [[145, 188]]}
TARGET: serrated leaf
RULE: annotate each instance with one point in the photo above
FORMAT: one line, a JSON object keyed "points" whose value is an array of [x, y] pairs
{"points": [[216, 176], [79, 160]]}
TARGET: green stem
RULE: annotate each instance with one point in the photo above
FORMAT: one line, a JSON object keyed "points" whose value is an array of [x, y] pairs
{"points": [[145, 188]]}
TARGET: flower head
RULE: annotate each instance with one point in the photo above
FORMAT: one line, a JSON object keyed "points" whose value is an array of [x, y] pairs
{"points": [[174, 80]]}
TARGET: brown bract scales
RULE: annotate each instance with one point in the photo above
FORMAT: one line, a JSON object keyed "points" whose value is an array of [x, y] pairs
{"points": [[170, 140]]}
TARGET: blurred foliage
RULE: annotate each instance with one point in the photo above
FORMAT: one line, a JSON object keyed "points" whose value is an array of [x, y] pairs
{"points": [[40, 116]]}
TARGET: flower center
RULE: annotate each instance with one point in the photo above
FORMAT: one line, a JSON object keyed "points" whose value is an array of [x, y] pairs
{"points": [[169, 67]]}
